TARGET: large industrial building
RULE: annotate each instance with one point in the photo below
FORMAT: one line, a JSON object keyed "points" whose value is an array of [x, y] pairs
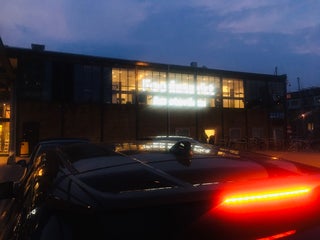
{"points": [[47, 94]]}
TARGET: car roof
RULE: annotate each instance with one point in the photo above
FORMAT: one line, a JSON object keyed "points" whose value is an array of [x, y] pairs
{"points": [[62, 140]]}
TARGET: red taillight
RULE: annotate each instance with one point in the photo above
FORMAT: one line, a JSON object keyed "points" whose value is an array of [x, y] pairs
{"points": [[265, 207], [279, 235], [267, 200], [266, 196]]}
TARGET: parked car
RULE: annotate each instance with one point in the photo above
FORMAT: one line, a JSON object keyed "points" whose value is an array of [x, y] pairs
{"points": [[83, 190], [168, 141]]}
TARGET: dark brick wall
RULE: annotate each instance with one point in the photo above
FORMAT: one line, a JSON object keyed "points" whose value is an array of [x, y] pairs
{"points": [[109, 123]]}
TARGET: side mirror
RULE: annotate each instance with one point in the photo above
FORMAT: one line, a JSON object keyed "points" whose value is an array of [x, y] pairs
{"points": [[7, 190]]}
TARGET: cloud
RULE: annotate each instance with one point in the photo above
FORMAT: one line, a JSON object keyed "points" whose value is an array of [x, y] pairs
{"points": [[293, 24], [110, 20], [224, 8], [251, 16], [38, 19], [71, 21], [308, 43]]}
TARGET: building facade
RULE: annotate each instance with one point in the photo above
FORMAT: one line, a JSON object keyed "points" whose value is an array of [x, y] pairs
{"points": [[105, 100], [304, 118]]}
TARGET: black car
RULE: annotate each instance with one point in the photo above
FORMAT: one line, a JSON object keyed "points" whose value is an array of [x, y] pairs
{"points": [[83, 190]]}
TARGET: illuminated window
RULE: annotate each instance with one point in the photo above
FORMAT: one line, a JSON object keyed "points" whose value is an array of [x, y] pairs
{"points": [[209, 87], [181, 83], [233, 103], [123, 85], [4, 110], [233, 93], [4, 137], [233, 88], [152, 81]]}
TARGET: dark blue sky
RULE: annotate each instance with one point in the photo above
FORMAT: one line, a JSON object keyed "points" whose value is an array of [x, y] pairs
{"points": [[239, 35]]}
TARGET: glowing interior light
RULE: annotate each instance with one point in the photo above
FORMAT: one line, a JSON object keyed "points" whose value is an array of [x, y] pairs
{"points": [[40, 172], [266, 196]]}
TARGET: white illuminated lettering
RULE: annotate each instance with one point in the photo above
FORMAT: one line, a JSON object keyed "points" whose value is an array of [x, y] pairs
{"points": [[149, 85], [146, 84], [201, 103], [159, 101], [178, 101], [181, 88], [182, 102], [205, 89], [174, 88]]}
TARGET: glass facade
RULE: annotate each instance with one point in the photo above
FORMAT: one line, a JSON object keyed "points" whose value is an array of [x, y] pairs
{"points": [[123, 86], [175, 89], [81, 83]]}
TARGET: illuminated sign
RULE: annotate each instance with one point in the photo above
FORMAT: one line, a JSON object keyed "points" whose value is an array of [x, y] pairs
{"points": [[149, 85], [178, 101], [172, 88]]}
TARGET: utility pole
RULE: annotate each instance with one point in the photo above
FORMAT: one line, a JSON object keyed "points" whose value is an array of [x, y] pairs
{"points": [[299, 87]]}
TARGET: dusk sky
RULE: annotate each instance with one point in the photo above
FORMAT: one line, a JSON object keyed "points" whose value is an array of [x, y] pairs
{"points": [[238, 35]]}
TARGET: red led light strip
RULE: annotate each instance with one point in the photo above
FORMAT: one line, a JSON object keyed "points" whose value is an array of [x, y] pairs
{"points": [[279, 235], [265, 196]]}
